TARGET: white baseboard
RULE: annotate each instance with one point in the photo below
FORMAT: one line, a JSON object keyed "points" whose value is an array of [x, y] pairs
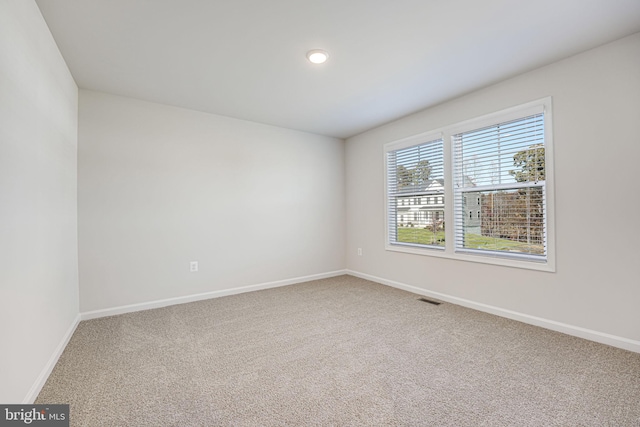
{"points": [[601, 337], [46, 371], [203, 296]]}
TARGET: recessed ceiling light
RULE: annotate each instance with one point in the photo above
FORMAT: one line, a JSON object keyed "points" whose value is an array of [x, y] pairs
{"points": [[317, 56]]}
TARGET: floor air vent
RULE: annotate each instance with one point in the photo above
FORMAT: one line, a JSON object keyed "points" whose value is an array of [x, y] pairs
{"points": [[429, 301]]}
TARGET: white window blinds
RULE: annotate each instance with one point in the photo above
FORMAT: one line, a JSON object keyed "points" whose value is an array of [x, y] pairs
{"points": [[415, 194], [499, 189]]}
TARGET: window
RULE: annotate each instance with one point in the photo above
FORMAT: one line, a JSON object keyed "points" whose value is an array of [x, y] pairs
{"points": [[505, 163], [490, 178], [414, 170]]}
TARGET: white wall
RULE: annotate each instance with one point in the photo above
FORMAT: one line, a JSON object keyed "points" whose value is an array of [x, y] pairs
{"points": [[38, 215], [161, 186], [596, 116]]}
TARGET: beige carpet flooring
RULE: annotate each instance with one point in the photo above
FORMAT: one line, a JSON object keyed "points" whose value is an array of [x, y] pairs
{"points": [[337, 352]]}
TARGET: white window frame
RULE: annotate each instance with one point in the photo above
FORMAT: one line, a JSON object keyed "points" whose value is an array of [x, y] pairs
{"points": [[412, 141], [446, 133]]}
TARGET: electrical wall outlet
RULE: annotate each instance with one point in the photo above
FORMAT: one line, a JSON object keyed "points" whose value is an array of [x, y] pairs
{"points": [[193, 266], [359, 251]]}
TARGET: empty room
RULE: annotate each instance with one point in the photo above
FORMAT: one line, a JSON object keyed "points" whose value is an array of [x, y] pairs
{"points": [[331, 213]]}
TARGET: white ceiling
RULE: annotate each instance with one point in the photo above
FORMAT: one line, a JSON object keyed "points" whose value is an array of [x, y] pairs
{"points": [[388, 58]]}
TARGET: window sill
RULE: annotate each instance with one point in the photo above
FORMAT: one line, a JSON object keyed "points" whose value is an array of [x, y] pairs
{"points": [[448, 253]]}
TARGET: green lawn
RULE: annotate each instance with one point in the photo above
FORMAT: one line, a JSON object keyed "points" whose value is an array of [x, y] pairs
{"points": [[420, 235], [473, 241]]}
